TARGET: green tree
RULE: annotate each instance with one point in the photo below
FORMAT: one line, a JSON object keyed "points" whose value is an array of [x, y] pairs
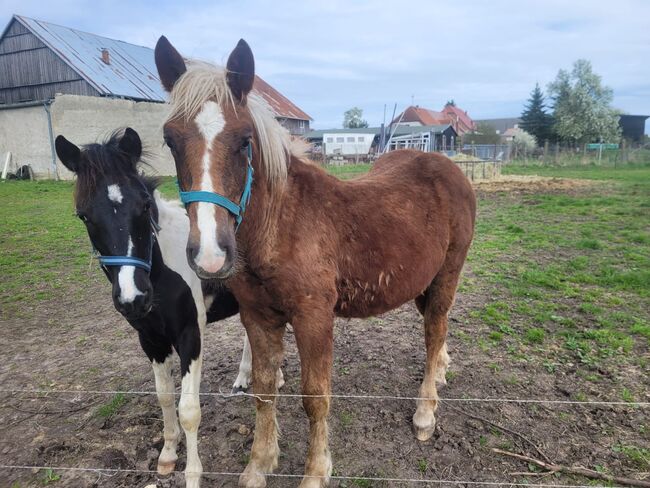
{"points": [[353, 119], [582, 110], [534, 118], [484, 134]]}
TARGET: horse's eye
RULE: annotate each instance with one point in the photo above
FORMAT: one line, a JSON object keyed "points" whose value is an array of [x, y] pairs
{"points": [[82, 216], [245, 143], [147, 206], [170, 143]]}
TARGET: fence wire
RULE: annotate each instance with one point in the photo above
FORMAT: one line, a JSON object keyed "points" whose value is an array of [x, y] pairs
{"points": [[114, 471]]}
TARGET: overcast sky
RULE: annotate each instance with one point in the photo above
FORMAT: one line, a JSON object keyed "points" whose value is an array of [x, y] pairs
{"points": [[328, 56]]}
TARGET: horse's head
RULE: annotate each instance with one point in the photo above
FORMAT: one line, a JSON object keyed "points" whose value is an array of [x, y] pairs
{"points": [[115, 203], [210, 133]]}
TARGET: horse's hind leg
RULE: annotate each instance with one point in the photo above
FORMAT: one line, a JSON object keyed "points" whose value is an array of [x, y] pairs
{"points": [[434, 304], [243, 379]]}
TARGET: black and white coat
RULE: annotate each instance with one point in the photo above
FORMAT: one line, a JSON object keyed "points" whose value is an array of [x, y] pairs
{"points": [[168, 307]]}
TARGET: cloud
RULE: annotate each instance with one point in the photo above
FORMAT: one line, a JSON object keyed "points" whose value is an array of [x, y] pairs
{"points": [[330, 56]]}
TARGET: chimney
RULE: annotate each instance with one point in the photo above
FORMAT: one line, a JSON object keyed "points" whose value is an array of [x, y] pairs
{"points": [[106, 57]]}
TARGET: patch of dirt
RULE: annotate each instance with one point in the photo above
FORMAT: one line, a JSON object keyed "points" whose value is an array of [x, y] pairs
{"points": [[533, 184]]}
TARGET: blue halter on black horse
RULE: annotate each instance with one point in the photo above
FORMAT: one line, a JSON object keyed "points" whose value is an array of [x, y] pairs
{"points": [[139, 239]]}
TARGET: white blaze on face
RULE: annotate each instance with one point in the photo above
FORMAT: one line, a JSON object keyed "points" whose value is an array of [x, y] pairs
{"points": [[210, 257], [126, 280], [115, 194]]}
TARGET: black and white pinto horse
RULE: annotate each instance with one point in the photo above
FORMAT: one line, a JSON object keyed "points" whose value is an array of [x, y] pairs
{"points": [[140, 241]]}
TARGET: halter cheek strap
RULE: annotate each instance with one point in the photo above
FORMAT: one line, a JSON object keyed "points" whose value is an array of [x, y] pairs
{"points": [[237, 210]]}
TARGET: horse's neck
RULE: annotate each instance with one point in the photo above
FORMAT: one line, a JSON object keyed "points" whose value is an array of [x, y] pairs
{"points": [[172, 236]]}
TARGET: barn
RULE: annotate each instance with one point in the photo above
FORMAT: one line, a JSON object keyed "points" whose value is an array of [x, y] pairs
{"points": [[57, 80]]}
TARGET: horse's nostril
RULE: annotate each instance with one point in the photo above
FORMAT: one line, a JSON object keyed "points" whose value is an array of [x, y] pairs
{"points": [[192, 251]]}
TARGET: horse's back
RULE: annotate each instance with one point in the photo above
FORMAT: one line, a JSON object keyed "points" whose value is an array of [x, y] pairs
{"points": [[404, 218]]}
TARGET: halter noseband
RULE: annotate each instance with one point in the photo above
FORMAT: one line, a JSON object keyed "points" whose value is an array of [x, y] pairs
{"points": [[237, 210]]}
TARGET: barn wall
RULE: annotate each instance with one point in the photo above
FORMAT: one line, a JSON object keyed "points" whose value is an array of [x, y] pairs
{"points": [[30, 71], [82, 120]]}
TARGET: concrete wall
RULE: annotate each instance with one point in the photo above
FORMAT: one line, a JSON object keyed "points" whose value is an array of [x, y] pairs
{"points": [[82, 120], [23, 132]]}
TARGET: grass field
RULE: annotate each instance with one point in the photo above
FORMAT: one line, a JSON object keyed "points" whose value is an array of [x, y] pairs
{"points": [[569, 273]]}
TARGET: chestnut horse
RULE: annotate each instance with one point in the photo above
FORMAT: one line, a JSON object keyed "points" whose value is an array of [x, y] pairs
{"points": [[310, 247]]}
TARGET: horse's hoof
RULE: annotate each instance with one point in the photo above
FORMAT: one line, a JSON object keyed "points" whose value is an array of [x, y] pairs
{"points": [[424, 434], [424, 426], [192, 481], [239, 389], [314, 483], [252, 479], [166, 468]]}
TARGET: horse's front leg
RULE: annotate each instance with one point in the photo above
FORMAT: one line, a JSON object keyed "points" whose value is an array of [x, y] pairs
{"points": [[245, 368], [165, 392], [267, 351], [189, 407], [159, 352]]}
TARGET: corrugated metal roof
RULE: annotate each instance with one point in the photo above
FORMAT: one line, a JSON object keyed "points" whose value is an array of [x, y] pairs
{"points": [[132, 70]]}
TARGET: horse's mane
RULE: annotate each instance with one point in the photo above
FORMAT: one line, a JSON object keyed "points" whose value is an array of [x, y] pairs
{"points": [[204, 81], [105, 160]]}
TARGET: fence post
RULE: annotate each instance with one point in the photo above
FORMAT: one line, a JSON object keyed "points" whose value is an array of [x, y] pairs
{"points": [[557, 152], [546, 151]]}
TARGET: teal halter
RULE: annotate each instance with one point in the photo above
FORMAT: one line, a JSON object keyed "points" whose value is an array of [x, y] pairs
{"points": [[237, 210]]}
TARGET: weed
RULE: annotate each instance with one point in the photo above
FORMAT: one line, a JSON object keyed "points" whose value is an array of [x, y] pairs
{"points": [[346, 418], [639, 456], [109, 409], [535, 335], [627, 396], [49, 476]]}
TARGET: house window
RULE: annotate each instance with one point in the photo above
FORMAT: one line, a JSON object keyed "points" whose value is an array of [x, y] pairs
{"points": [[340, 139], [330, 139], [361, 139], [350, 139]]}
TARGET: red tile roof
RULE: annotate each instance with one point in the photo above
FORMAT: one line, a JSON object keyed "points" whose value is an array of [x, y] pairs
{"points": [[457, 118], [422, 115], [281, 105], [461, 116]]}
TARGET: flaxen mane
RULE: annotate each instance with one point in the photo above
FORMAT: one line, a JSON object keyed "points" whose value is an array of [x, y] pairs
{"points": [[204, 81]]}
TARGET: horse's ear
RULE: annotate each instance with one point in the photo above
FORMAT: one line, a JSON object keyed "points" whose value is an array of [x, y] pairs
{"points": [[68, 153], [130, 144], [169, 62], [241, 70]]}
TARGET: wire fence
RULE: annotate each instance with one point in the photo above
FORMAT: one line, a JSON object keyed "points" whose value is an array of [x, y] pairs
{"points": [[115, 471], [265, 396]]}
